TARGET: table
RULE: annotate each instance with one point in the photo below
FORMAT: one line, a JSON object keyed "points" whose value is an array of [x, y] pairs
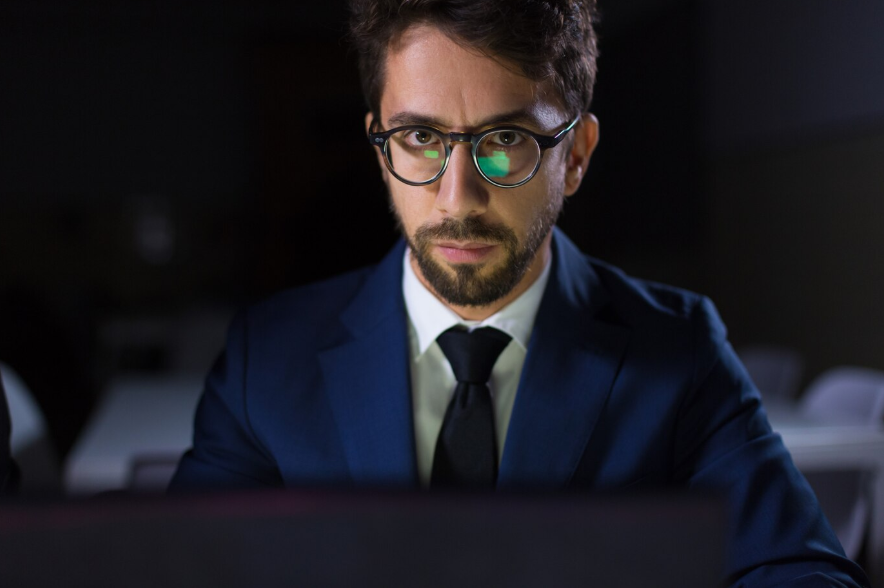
{"points": [[819, 446]]}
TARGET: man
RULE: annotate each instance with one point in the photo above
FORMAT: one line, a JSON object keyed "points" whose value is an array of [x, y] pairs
{"points": [[591, 380]]}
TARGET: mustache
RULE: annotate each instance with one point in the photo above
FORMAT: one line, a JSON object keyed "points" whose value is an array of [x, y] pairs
{"points": [[468, 229]]}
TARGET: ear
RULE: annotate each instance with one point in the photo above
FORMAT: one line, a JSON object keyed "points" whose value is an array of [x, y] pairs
{"points": [[586, 137], [369, 117]]}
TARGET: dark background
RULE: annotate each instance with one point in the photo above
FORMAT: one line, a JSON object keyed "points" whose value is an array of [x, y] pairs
{"points": [[164, 162]]}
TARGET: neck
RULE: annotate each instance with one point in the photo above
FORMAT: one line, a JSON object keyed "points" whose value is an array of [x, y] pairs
{"points": [[480, 313]]}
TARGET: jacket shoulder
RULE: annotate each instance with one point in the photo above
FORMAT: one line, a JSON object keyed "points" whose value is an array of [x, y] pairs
{"points": [[637, 297], [667, 319]]}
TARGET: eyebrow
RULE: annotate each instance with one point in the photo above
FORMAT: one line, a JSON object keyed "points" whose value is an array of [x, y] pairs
{"points": [[522, 116]]}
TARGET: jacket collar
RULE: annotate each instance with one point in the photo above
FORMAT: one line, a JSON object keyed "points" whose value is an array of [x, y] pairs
{"points": [[368, 383]]}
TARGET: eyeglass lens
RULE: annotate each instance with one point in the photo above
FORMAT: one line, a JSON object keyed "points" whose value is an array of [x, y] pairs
{"points": [[506, 157]]}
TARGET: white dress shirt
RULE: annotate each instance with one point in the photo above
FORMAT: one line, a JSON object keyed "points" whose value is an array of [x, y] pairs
{"points": [[432, 379]]}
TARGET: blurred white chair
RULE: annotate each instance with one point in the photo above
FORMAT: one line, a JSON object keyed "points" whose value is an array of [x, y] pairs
{"points": [[30, 443], [775, 370], [846, 396]]}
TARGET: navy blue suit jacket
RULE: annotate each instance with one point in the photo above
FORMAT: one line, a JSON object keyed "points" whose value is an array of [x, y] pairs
{"points": [[626, 385]]}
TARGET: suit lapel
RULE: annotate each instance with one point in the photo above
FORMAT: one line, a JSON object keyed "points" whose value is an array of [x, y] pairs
{"points": [[367, 381], [572, 362]]}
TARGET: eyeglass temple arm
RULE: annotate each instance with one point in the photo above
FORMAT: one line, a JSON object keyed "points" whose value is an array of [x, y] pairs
{"points": [[546, 142]]}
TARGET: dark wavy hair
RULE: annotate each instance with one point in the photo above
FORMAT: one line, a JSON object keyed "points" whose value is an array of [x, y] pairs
{"points": [[547, 40]]}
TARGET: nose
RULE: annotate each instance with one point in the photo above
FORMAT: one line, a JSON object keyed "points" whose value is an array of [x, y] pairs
{"points": [[462, 191]]}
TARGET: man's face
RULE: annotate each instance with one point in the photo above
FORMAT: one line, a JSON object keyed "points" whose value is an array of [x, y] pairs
{"points": [[473, 243]]}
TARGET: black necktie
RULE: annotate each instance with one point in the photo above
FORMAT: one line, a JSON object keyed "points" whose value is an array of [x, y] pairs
{"points": [[466, 451]]}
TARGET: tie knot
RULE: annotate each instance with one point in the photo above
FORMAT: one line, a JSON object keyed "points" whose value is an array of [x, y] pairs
{"points": [[472, 354]]}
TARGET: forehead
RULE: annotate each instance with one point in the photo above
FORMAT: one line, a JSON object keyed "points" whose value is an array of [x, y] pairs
{"points": [[429, 74]]}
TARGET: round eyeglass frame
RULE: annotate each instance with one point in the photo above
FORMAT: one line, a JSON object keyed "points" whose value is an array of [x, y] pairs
{"points": [[544, 142]]}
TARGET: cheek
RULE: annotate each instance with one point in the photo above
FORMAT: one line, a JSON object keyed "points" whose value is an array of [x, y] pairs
{"points": [[551, 183], [410, 208], [546, 191], [520, 210], [554, 171], [525, 209]]}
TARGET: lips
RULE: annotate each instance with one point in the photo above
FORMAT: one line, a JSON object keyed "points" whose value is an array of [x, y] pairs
{"points": [[465, 252]]}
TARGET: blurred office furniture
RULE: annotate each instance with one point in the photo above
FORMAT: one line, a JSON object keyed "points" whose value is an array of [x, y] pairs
{"points": [[846, 395], [144, 419], [836, 438], [182, 342], [849, 396], [48, 339], [30, 443], [775, 370], [135, 437]]}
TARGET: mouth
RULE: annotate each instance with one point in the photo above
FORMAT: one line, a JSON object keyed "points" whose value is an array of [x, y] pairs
{"points": [[465, 251]]}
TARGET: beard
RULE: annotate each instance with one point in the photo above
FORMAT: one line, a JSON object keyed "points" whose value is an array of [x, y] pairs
{"points": [[469, 284]]}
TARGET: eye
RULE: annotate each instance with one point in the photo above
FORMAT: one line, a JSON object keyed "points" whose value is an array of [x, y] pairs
{"points": [[419, 138], [507, 138]]}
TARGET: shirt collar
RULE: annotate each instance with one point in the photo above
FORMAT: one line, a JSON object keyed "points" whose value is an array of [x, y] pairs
{"points": [[430, 317]]}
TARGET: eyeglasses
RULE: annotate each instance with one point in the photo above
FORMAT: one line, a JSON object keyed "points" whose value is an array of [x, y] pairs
{"points": [[506, 156]]}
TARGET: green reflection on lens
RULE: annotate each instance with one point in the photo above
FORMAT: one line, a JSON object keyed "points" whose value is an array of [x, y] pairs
{"points": [[496, 166], [431, 154]]}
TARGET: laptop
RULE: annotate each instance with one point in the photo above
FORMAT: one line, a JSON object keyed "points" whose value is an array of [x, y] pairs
{"points": [[336, 539]]}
